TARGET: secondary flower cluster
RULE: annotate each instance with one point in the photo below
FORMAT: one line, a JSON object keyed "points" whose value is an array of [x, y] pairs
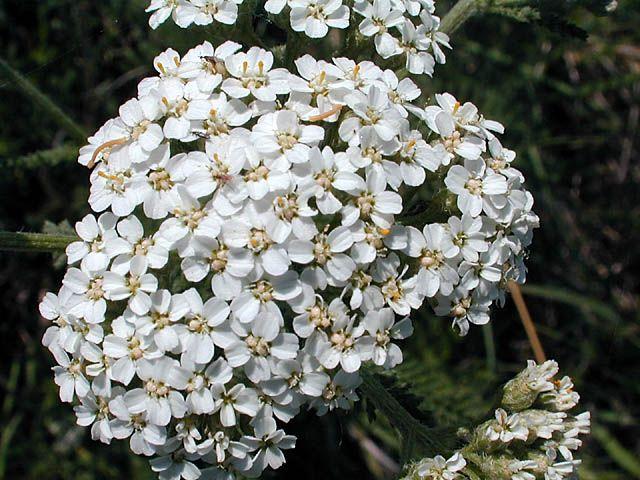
{"points": [[398, 27], [532, 437], [252, 249]]}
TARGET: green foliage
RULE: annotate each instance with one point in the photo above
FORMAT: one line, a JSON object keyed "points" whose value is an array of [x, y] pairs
{"points": [[42, 158], [621, 455], [397, 404], [41, 101], [554, 15]]}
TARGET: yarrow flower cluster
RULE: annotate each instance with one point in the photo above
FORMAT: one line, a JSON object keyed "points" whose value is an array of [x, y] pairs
{"points": [[533, 436], [405, 28], [251, 247]]}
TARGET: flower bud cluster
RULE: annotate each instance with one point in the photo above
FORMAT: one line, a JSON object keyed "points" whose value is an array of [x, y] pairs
{"points": [[406, 28], [533, 435]]}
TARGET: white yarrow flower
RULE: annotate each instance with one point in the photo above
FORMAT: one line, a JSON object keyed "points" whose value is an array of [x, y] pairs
{"points": [[259, 236]]}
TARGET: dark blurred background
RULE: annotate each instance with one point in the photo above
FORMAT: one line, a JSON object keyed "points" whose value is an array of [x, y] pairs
{"points": [[571, 107]]}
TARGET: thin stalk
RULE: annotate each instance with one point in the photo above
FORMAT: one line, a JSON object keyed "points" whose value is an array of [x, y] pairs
{"points": [[34, 242], [490, 347], [43, 101], [527, 321]]}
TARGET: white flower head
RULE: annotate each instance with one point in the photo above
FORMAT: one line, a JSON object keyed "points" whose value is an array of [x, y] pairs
{"points": [[259, 235]]}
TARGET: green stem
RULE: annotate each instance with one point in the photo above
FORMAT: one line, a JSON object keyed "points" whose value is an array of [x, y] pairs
{"points": [[33, 242], [36, 96], [460, 13], [465, 9]]}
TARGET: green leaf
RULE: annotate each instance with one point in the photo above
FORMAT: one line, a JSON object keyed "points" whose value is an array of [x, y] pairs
{"points": [[563, 295], [623, 457], [416, 437]]}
